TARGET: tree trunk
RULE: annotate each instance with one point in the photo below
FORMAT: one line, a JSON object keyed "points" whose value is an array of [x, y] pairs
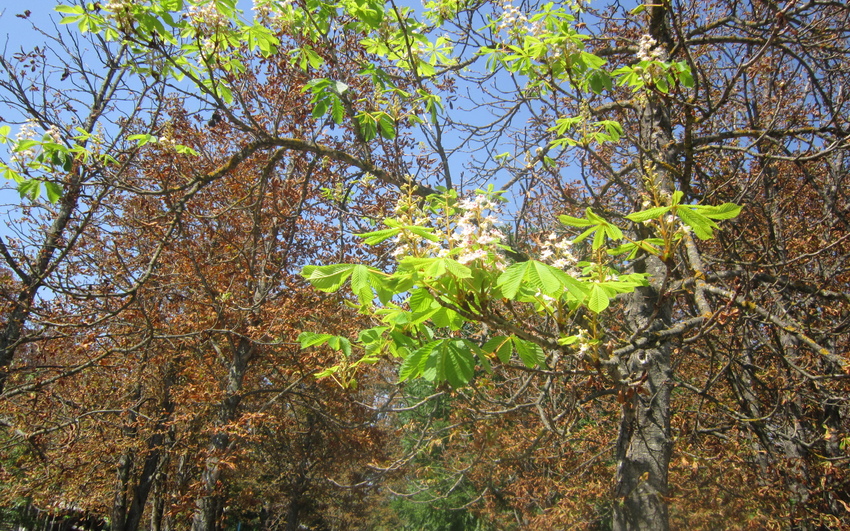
{"points": [[644, 445], [210, 504]]}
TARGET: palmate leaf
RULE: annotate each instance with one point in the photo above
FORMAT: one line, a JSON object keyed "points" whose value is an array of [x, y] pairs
{"points": [[596, 225], [414, 364], [539, 276], [310, 339], [435, 267], [441, 360]]}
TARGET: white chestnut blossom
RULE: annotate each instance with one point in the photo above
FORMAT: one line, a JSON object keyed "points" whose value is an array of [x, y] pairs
{"points": [[469, 237], [583, 344], [648, 51], [510, 17], [475, 236], [29, 131], [207, 17], [557, 252]]}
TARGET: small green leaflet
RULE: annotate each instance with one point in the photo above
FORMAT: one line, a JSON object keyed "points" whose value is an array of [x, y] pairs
{"points": [[500, 346], [597, 299], [646, 215]]}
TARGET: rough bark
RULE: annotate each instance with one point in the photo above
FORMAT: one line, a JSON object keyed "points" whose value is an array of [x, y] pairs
{"points": [[644, 445]]}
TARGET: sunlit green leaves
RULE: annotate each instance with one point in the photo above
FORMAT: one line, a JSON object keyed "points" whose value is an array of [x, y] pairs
{"points": [[660, 75], [700, 218], [441, 360], [595, 225], [536, 276], [396, 228]]}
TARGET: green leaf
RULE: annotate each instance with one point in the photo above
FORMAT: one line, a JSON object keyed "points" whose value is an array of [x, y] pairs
{"points": [[70, 10], [311, 339], [597, 299], [337, 111], [512, 279], [376, 237], [141, 140], [592, 61], [185, 150], [574, 222], [361, 284], [645, 215], [537, 276], [567, 340], [530, 353], [724, 211], [342, 344], [421, 300], [54, 191], [327, 278], [414, 364], [457, 269], [701, 225], [29, 188], [459, 363], [499, 345], [387, 126]]}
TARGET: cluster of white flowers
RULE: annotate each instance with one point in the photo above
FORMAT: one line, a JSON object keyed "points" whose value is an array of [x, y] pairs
{"points": [[648, 51], [120, 12], [510, 17], [166, 140], [535, 29], [567, 49], [583, 344], [470, 237], [117, 5], [262, 9], [476, 235], [29, 131], [558, 252], [271, 12], [407, 246], [207, 17], [55, 134]]}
